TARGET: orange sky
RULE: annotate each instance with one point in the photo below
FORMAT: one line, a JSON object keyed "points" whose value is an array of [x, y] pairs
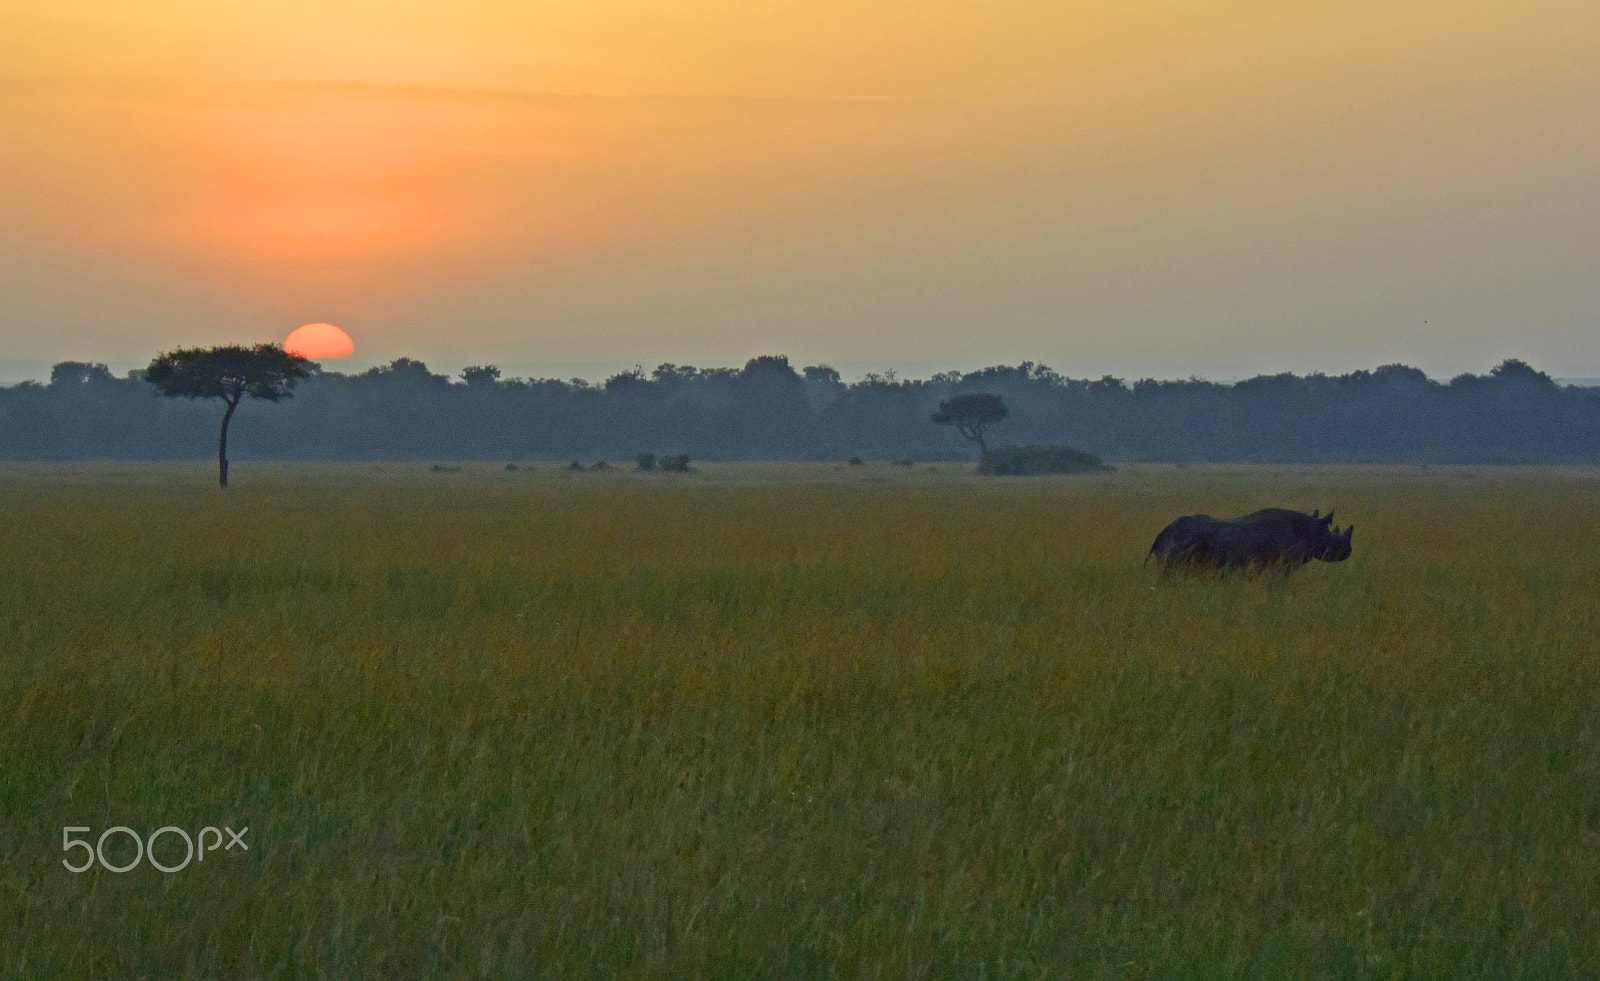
{"points": [[1140, 187]]}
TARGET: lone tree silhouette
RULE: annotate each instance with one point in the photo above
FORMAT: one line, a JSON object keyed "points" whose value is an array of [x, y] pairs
{"points": [[972, 414], [231, 373]]}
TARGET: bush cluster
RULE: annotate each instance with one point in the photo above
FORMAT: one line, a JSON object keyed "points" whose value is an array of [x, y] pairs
{"points": [[1034, 460]]}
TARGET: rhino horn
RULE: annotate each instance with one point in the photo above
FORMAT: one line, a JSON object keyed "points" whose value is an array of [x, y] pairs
{"points": [[1327, 519], [1314, 512]]}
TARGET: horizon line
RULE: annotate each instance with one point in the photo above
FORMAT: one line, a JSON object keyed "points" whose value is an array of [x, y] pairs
{"points": [[853, 372]]}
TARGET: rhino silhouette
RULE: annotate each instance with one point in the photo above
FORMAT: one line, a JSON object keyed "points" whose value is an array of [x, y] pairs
{"points": [[1269, 538]]}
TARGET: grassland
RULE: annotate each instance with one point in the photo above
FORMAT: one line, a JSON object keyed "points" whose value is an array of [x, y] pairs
{"points": [[767, 721]]}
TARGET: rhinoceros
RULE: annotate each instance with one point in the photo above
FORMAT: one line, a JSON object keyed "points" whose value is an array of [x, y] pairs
{"points": [[1271, 537]]}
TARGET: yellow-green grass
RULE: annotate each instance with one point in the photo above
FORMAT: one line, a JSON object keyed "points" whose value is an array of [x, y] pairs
{"points": [[797, 720]]}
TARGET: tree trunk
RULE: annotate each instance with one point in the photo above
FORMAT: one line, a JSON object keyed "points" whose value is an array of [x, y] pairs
{"points": [[222, 444]]}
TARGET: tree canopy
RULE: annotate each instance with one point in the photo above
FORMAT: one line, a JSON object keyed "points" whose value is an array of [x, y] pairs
{"points": [[972, 414], [230, 373]]}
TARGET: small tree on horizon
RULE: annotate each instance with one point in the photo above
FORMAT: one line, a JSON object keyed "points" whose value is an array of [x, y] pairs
{"points": [[972, 414], [480, 376], [229, 373]]}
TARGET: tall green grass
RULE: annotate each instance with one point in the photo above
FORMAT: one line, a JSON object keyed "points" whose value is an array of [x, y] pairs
{"points": [[798, 721]]}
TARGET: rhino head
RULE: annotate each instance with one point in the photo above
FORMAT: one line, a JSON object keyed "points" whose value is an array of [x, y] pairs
{"points": [[1335, 546]]}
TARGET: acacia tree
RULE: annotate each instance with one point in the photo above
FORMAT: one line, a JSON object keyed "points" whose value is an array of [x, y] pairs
{"points": [[231, 374], [972, 414]]}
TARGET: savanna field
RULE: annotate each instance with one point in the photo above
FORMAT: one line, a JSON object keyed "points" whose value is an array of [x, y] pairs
{"points": [[771, 720]]}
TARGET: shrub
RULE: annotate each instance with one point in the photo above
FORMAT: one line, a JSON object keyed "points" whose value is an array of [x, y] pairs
{"points": [[1032, 460], [647, 461], [855, 461], [575, 466], [511, 466], [599, 465], [675, 464]]}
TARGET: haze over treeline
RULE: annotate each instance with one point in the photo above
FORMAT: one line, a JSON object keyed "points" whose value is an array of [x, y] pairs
{"points": [[769, 409]]}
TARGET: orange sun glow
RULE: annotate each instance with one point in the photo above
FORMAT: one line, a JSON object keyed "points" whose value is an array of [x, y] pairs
{"points": [[317, 341]]}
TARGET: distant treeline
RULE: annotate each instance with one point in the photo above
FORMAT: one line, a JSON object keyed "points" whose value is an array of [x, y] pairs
{"points": [[769, 410]]}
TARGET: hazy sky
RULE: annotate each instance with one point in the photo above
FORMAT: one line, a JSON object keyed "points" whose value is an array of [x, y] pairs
{"points": [[1140, 187]]}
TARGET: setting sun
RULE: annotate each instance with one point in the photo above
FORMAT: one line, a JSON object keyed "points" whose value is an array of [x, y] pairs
{"points": [[318, 341]]}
